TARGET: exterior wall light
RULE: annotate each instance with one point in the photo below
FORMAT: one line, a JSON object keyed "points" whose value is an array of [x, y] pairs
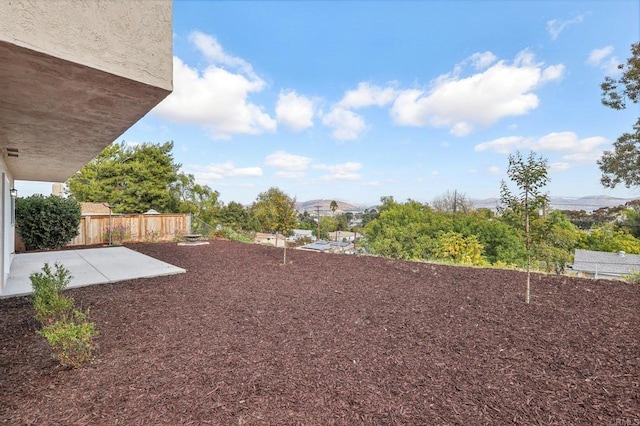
{"points": [[13, 192]]}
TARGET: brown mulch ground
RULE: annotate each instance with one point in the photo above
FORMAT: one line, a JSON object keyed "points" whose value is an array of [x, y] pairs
{"points": [[331, 339]]}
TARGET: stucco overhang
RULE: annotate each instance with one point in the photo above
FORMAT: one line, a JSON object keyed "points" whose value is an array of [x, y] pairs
{"points": [[57, 115]]}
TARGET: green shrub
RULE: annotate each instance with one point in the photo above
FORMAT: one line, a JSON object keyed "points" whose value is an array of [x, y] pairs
{"points": [[231, 235], [67, 330], [48, 303], [71, 339], [153, 236], [633, 277], [116, 235], [47, 222]]}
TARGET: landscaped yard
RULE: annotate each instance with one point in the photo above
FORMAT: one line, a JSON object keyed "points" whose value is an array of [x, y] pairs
{"points": [[331, 339]]}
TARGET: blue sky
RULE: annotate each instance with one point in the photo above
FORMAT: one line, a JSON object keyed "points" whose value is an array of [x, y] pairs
{"points": [[356, 100]]}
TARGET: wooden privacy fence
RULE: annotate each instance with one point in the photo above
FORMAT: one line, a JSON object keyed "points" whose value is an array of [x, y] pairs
{"points": [[97, 229]]}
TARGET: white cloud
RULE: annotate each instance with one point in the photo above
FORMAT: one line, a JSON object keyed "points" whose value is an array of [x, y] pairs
{"points": [[367, 95], [344, 171], [574, 151], [596, 56], [472, 171], [556, 26], [372, 184], [494, 170], [553, 73], [483, 60], [347, 125], [481, 99], [216, 171], [603, 59], [213, 51], [285, 161], [215, 97], [295, 111], [559, 166], [502, 145]]}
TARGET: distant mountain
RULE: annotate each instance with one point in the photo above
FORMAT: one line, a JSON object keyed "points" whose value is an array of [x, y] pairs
{"points": [[311, 206], [589, 203]]}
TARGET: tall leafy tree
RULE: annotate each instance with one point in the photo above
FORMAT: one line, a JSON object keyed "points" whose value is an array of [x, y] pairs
{"points": [[191, 197], [275, 211], [234, 215], [530, 176], [622, 165], [132, 178]]}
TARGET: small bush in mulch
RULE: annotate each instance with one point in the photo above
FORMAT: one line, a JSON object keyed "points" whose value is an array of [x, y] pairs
{"points": [[66, 329]]}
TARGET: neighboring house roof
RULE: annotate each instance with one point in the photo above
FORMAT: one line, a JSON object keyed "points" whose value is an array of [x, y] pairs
{"points": [[263, 238], [344, 234], [89, 209], [325, 246], [605, 263]]}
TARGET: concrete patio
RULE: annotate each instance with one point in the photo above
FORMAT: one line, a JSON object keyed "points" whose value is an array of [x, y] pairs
{"points": [[87, 266]]}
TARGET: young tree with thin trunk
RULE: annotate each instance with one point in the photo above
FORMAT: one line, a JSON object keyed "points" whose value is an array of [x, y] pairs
{"points": [[275, 211], [530, 176]]}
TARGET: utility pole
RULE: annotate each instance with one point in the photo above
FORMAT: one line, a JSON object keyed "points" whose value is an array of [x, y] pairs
{"points": [[318, 220]]}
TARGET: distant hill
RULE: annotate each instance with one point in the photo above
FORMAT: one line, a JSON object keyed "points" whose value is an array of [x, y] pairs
{"points": [[311, 206], [589, 203]]}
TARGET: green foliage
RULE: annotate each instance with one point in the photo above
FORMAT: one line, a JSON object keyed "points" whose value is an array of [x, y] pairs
{"points": [[47, 222], [404, 231], [232, 235], [412, 231], [500, 242], [553, 240], [134, 179], [630, 222], [613, 95], [152, 236], [633, 277], [621, 164], [455, 247], [116, 234], [71, 339], [608, 238], [50, 305], [275, 211], [67, 330], [199, 200], [530, 176], [368, 215], [306, 221], [234, 215]]}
